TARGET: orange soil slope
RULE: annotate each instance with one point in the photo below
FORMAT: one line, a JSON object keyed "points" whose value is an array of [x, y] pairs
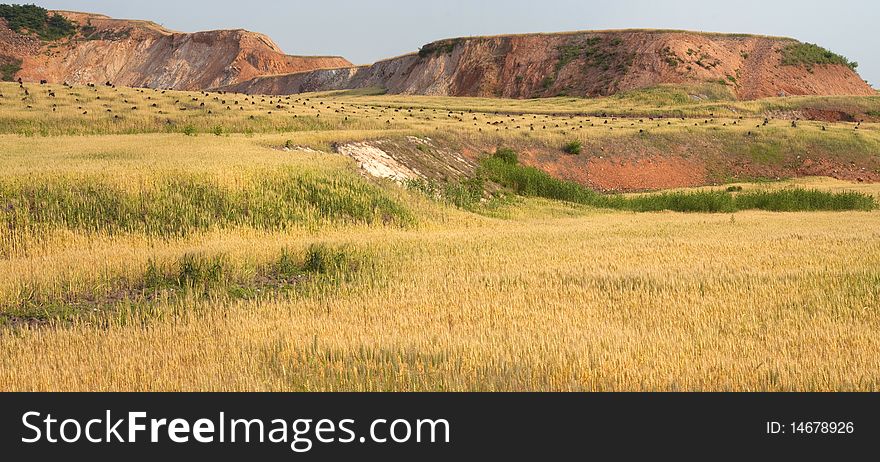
{"points": [[143, 54], [580, 64]]}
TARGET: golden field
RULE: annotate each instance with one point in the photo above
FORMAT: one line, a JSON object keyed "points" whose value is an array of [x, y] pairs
{"points": [[101, 221]]}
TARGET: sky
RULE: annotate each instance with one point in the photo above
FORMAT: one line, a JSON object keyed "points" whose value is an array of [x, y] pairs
{"points": [[364, 31]]}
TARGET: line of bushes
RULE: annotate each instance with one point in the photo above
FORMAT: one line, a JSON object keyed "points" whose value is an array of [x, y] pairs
{"points": [[504, 169]]}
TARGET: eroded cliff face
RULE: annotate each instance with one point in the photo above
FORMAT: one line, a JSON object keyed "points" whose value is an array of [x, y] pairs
{"points": [[143, 54], [580, 64]]}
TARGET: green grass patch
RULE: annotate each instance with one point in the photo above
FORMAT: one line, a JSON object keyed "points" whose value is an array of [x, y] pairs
{"points": [[465, 194], [529, 181], [669, 96], [767, 153], [177, 205], [176, 284], [809, 55], [787, 200]]}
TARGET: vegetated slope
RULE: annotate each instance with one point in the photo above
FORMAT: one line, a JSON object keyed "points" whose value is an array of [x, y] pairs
{"points": [[590, 64], [144, 54]]}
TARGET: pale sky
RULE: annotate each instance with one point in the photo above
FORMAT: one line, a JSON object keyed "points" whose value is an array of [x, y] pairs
{"points": [[368, 30]]}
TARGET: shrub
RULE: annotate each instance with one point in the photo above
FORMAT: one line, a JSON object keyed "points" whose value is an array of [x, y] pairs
{"points": [[441, 47], [189, 130], [9, 69], [88, 31], [573, 147], [507, 155], [34, 19], [567, 54], [217, 130]]}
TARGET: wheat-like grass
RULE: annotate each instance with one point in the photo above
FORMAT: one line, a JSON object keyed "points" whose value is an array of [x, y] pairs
{"points": [[534, 295]]}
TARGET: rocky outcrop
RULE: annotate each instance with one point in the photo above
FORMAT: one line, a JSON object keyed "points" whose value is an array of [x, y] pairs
{"points": [[581, 64], [144, 54]]}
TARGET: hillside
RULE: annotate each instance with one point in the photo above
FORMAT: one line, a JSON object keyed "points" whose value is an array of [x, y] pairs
{"points": [[590, 64], [144, 54]]}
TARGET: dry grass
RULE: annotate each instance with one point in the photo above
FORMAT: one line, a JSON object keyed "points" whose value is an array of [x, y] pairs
{"points": [[595, 302], [541, 295]]}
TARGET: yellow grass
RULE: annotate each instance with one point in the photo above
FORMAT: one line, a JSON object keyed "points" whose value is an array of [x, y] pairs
{"points": [[595, 302], [541, 296]]}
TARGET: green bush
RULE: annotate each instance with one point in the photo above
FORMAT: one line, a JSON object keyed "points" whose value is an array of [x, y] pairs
{"points": [[9, 69], [566, 54], [573, 147], [36, 20], [436, 48], [507, 155]]}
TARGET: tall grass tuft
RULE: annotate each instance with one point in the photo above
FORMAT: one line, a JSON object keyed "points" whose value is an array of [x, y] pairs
{"points": [[177, 205]]}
